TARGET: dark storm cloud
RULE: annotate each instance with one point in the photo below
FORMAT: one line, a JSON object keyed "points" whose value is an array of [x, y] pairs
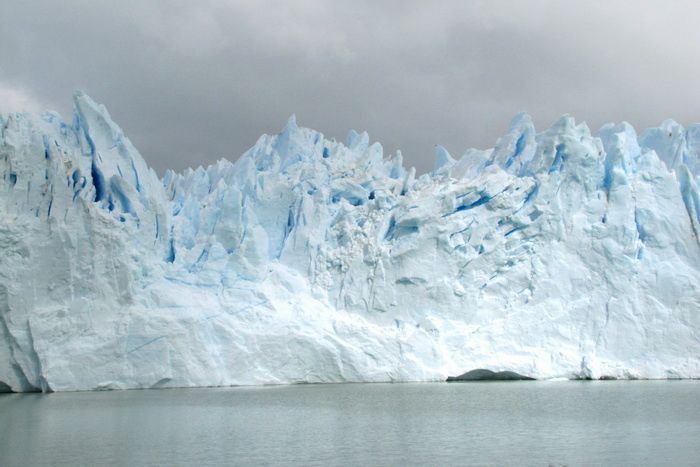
{"points": [[191, 82]]}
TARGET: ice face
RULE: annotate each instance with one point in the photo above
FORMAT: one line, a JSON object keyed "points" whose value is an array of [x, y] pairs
{"points": [[554, 254]]}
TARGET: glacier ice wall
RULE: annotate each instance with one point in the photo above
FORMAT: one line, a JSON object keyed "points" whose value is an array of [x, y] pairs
{"points": [[554, 254]]}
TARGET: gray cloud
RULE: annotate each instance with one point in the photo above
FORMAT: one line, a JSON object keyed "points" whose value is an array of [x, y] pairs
{"points": [[191, 82]]}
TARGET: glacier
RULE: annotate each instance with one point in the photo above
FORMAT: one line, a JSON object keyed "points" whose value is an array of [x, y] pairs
{"points": [[558, 254]]}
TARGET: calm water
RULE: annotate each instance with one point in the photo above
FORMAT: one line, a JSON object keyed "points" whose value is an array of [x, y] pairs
{"points": [[510, 423]]}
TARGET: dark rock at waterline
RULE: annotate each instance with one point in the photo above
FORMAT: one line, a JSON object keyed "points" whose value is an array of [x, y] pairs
{"points": [[488, 375]]}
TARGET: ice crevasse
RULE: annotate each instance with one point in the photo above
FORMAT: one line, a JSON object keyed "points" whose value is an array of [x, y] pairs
{"points": [[554, 254]]}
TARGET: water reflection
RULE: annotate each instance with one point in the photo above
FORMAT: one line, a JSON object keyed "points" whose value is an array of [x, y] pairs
{"points": [[512, 423]]}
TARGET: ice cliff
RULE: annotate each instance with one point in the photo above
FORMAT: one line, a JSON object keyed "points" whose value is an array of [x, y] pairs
{"points": [[554, 254]]}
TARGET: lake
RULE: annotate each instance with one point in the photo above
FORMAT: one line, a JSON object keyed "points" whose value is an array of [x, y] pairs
{"points": [[489, 423]]}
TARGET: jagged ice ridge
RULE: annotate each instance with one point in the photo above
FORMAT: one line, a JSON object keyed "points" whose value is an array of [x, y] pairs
{"points": [[554, 254]]}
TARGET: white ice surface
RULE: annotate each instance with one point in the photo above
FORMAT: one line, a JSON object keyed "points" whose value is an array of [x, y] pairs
{"points": [[555, 254]]}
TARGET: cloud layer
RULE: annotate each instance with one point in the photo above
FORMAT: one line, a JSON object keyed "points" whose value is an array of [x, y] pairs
{"points": [[191, 82]]}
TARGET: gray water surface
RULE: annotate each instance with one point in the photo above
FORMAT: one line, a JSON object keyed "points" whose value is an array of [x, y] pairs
{"points": [[500, 423]]}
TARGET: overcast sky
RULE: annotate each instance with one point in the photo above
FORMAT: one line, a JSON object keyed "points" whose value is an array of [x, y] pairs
{"points": [[191, 82]]}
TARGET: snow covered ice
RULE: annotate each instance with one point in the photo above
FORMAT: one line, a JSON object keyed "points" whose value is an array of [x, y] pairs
{"points": [[554, 254]]}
